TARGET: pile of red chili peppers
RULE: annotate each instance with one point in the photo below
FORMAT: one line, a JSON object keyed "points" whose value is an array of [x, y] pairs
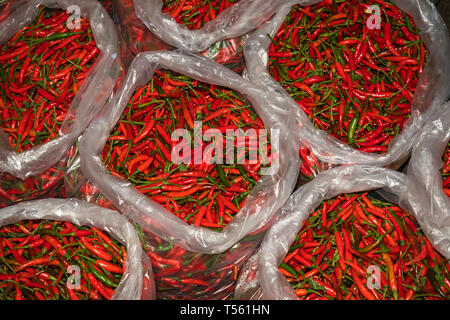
{"points": [[195, 13], [355, 82], [346, 235], [208, 195], [35, 256], [139, 149], [43, 66], [445, 171]]}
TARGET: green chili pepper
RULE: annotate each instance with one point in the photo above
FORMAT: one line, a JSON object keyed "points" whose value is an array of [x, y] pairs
{"points": [[222, 176], [352, 128], [101, 277], [243, 173], [289, 269], [372, 246], [435, 283], [48, 232], [281, 71]]}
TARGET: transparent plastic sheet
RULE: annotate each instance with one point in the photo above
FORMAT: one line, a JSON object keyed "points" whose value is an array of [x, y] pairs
{"points": [[235, 21], [137, 281], [91, 97], [271, 284], [247, 284], [107, 4], [223, 250], [49, 184], [424, 168], [229, 53], [139, 38], [6, 9], [431, 92]]}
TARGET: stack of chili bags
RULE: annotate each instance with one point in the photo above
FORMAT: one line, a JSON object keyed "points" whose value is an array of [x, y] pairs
{"points": [[429, 167], [40, 248], [57, 72], [204, 222], [362, 76], [338, 239]]}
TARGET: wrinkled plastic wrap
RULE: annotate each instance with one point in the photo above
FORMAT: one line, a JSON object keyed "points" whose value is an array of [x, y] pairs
{"points": [[247, 285], [431, 92], [139, 38], [424, 166], [271, 284], [5, 10], [235, 21], [107, 4], [229, 53], [91, 97], [136, 35], [137, 280], [240, 236]]}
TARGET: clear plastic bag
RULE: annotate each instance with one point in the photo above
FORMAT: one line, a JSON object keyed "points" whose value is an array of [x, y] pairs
{"points": [[139, 38], [240, 237], [107, 4], [91, 96], [432, 90], [5, 10], [137, 281], [233, 22], [423, 168], [136, 35], [270, 283]]}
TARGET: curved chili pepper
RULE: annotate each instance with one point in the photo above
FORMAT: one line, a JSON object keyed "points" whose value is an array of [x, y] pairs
{"points": [[99, 253]]}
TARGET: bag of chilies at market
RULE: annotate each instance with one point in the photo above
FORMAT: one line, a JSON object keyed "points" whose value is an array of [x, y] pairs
{"points": [[137, 36], [363, 76], [140, 38], [429, 166], [199, 220], [337, 238], [196, 26], [217, 29], [58, 70], [71, 250]]}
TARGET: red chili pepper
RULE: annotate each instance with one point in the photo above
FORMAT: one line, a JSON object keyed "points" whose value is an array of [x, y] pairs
{"points": [[55, 244], [387, 37], [97, 285], [109, 266], [44, 260], [99, 253], [16, 52]]}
